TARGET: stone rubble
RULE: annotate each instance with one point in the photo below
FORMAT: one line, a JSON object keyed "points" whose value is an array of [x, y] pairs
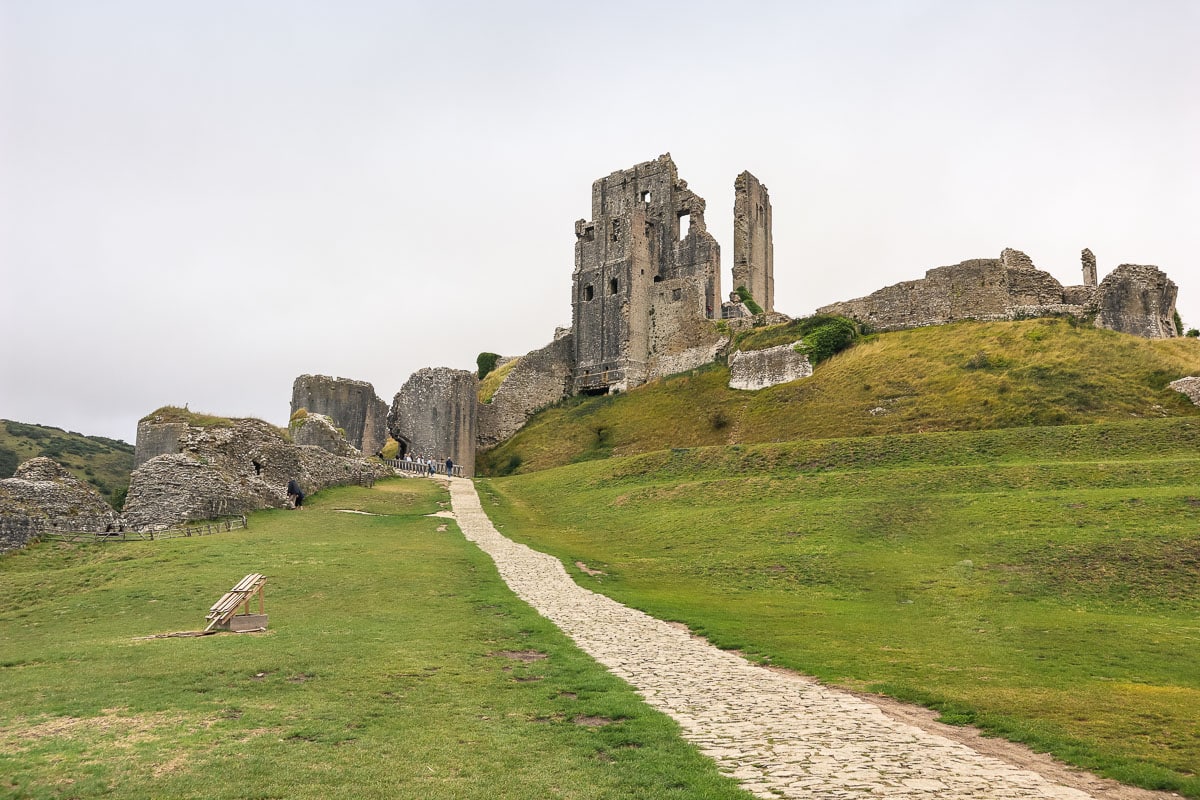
{"points": [[781, 735], [43, 495]]}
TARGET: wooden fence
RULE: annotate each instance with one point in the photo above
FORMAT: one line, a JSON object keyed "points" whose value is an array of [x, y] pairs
{"points": [[198, 529]]}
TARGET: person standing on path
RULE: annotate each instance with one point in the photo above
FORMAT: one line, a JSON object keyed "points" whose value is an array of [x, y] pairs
{"points": [[449, 467]]}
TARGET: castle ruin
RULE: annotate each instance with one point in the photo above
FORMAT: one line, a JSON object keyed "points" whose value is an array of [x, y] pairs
{"points": [[753, 248], [647, 279], [1133, 298]]}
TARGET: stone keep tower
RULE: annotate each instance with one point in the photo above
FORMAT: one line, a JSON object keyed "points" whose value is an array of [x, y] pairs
{"points": [[645, 246], [753, 250]]}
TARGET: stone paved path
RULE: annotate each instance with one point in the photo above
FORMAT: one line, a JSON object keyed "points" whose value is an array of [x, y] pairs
{"points": [[781, 735]]}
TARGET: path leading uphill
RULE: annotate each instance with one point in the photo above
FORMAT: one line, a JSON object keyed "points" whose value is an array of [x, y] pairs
{"points": [[780, 734]]}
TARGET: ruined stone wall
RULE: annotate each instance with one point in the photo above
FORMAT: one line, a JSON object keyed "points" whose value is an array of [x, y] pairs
{"points": [[539, 378], [434, 415], [646, 227], [1088, 259], [759, 369], [753, 247], [681, 335], [1137, 299], [353, 406], [157, 439], [42, 495], [318, 430], [233, 469], [1131, 299]]}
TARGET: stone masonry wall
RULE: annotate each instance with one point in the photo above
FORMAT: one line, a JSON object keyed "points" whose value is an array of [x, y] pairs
{"points": [[1132, 299], [434, 415], [539, 378], [353, 406], [157, 439], [681, 336]]}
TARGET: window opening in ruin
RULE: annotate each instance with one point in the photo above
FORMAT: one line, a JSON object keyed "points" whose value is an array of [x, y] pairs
{"points": [[616, 229], [657, 278], [612, 286], [685, 224], [587, 293], [589, 233], [646, 197], [676, 294]]}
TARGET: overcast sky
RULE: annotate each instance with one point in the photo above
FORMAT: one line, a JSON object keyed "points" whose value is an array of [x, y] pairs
{"points": [[201, 201]]}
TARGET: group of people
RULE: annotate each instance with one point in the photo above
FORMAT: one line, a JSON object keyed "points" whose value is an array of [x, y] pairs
{"points": [[428, 466]]}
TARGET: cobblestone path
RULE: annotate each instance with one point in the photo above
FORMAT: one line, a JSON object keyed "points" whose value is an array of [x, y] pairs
{"points": [[781, 735]]}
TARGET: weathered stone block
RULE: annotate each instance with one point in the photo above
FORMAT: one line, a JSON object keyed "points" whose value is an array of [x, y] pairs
{"points": [[758, 369], [1189, 386]]}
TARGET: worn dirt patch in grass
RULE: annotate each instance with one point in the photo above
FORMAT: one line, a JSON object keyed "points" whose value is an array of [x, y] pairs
{"points": [[520, 655], [124, 731], [593, 722]]}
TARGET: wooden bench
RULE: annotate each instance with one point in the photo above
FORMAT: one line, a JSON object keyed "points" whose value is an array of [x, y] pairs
{"points": [[224, 612]]}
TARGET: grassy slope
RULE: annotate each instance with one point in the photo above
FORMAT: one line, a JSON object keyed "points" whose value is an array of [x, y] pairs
{"points": [[968, 376], [104, 463], [383, 674], [1041, 583]]}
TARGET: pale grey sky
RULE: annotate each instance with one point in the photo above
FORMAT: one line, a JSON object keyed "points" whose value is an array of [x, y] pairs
{"points": [[201, 201]]}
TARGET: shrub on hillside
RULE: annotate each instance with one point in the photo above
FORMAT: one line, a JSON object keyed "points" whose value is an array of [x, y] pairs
{"points": [[831, 336], [9, 461], [744, 295], [486, 362]]}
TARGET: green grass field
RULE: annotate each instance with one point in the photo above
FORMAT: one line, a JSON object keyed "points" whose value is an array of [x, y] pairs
{"points": [[397, 665], [1041, 583]]}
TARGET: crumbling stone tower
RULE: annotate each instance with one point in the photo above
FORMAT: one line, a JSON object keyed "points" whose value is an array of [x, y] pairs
{"points": [[753, 249], [433, 416], [645, 267], [353, 406]]}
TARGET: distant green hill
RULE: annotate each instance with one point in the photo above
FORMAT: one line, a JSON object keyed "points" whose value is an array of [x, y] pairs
{"points": [[102, 462], [966, 376]]}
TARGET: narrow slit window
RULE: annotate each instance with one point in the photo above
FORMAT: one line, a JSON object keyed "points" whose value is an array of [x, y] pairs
{"points": [[616, 229], [612, 286], [587, 293], [685, 224]]}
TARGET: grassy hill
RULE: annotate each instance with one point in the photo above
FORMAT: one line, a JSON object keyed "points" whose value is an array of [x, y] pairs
{"points": [[104, 463], [967, 376], [1041, 583]]}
